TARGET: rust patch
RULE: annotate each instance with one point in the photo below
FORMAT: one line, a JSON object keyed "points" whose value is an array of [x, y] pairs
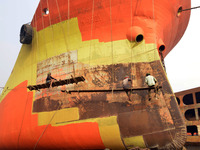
{"points": [[163, 138], [139, 116], [148, 121], [46, 104], [101, 77]]}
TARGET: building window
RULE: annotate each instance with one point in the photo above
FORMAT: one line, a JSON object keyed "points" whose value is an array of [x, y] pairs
{"points": [[199, 112], [178, 100], [188, 99], [197, 94], [192, 130], [190, 115]]}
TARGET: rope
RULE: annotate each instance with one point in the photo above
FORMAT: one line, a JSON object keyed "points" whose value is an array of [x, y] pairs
{"points": [[189, 8], [131, 47], [22, 120], [62, 24], [47, 126], [111, 39], [153, 3], [162, 60], [31, 66], [16, 88], [1, 90], [63, 31], [43, 34], [54, 47], [68, 31], [37, 43], [34, 50], [154, 29], [65, 39], [91, 31], [68, 27]]}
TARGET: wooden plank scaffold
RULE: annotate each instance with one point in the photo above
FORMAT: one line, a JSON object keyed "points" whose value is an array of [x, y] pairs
{"points": [[110, 90], [57, 83]]}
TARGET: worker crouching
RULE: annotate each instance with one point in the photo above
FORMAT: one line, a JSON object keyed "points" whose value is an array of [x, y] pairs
{"points": [[126, 83], [151, 82]]}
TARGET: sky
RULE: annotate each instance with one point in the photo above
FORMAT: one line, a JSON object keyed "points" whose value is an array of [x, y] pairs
{"points": [[13, 14], [182, 63]]}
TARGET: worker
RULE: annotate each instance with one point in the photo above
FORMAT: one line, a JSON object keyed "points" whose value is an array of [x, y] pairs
{"points": [[126, 86], [50, 79], [151, 82]]}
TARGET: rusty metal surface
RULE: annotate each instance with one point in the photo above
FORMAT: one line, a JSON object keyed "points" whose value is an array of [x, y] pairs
{"points": [[164, 138], [156, 118], [45, 104], [147, 121]]}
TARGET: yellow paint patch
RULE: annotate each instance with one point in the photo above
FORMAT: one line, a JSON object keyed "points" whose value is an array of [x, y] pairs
{"points": [[65, 37], [136, 141], [96, 53], [55, 117], [110, 134]]}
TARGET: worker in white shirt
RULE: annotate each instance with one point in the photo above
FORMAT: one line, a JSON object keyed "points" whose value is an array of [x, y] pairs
{"points": [[151, 82], [126, 86]]}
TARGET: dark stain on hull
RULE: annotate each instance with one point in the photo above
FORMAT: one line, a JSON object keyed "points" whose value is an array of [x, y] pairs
{"points": [[138, 116], [45, 104]]}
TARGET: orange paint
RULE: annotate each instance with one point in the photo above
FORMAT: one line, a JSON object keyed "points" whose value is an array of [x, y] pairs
{"points": [[18, 124], [109, 20], [152, 16]]}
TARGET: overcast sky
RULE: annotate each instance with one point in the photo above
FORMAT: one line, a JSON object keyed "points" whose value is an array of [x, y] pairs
{"points": [[13, 14], [182, 63]]}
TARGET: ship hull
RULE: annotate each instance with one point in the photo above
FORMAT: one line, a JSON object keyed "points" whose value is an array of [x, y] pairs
{"points": [[101, 41]]}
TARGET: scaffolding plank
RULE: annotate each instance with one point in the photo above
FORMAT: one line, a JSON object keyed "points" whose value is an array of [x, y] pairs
{"points": [[110, 90], [56, 83]]}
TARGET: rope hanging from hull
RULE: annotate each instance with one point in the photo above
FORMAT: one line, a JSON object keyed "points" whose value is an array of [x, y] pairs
{"points": [[189, 8], [60, 82], [162, 59]]}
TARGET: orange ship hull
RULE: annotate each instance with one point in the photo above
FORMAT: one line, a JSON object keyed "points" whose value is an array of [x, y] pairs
{"points": [[102, 42]]}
